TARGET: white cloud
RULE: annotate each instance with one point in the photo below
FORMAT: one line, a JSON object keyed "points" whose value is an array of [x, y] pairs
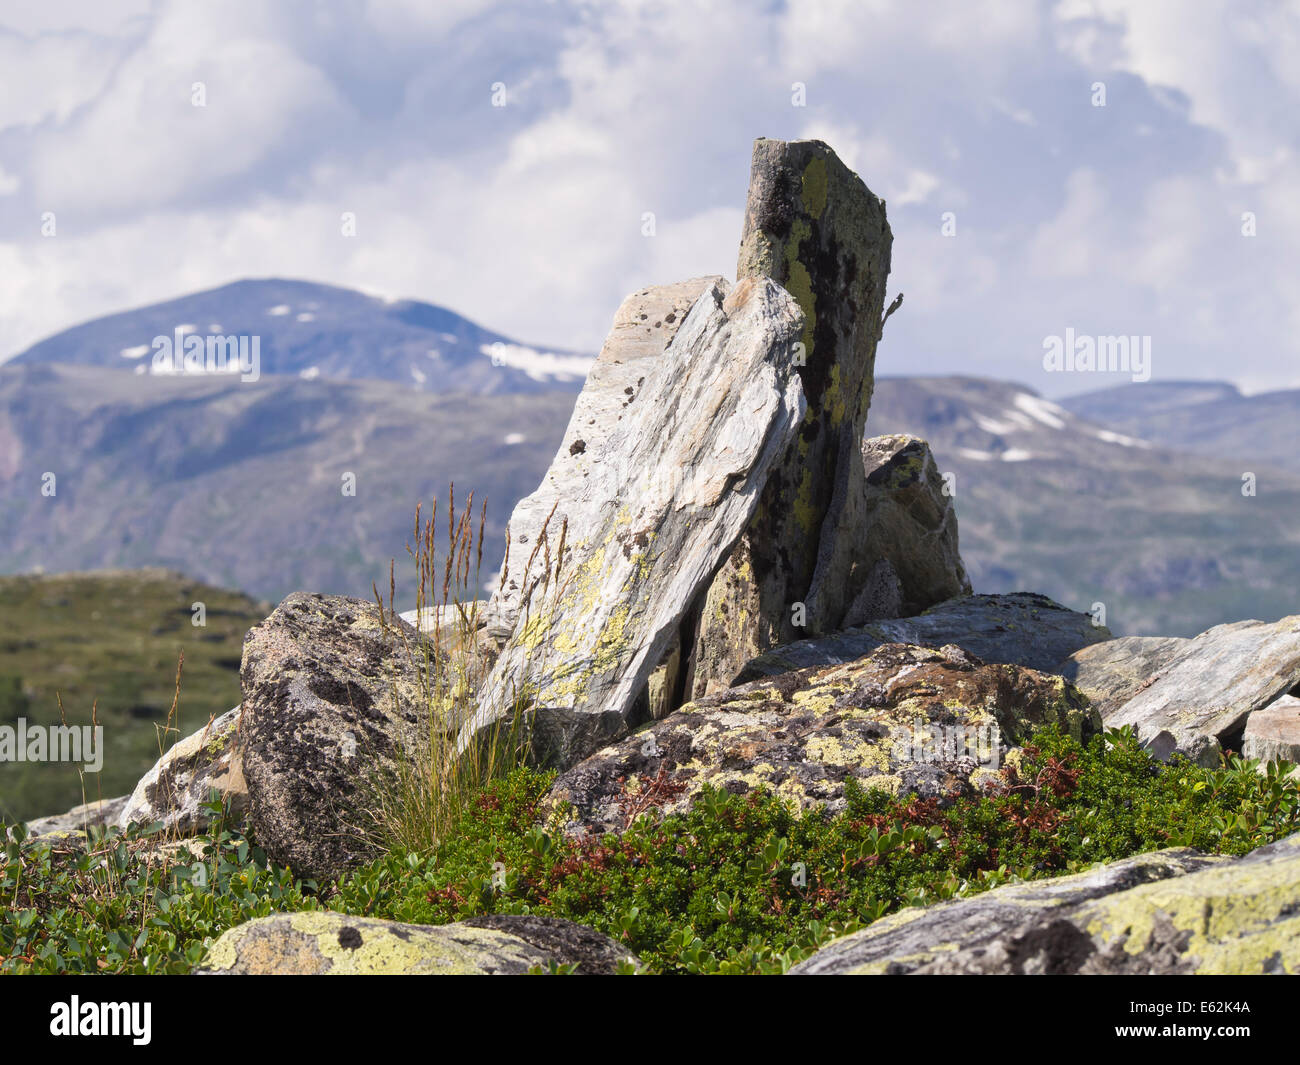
{"points": [[529, 218]]}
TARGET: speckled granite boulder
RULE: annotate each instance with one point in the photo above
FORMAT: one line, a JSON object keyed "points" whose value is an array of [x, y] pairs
{"points": [[1169, 912], [1273, 733], [902, 718], [331, 702], [323, 943]]}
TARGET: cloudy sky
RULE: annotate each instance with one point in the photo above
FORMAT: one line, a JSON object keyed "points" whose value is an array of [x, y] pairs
{"points": [[1128, 218]]}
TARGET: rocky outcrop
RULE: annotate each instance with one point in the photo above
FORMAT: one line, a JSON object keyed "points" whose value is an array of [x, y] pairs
{"points": [[174, 793], [644, 325], [1112, 672], [664, 497], [813, 226], [1022, 629], [1273, 733], [1202, 697], [1170, 912], [322, 943], [333, 696], [908, 535], [76, 821], [901, 718]]}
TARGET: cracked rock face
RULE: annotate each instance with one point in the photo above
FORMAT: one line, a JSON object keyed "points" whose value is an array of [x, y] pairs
{"points": [[665, 495], [891, 719], [322, 943], [1169, 912], [331, 701]]}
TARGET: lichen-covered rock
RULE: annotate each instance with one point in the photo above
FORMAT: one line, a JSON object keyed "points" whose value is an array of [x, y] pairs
{"points": [[644, 325], [1169, 912], [1273, 733], [1204, 695], [174, 791], [320, 942], [76, 821], [908, 534], [1112, 672], [903, 718], [333, 696], [1022, 629], [666, 495], [813, 226]]}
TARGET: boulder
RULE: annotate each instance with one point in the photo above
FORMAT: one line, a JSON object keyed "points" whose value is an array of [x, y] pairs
{"points": [[323, 943], [174, 791], [902, 718], [814, 227], [665, 496], [1203, 696], [77, 820], [908, 535], [1273, 733], [1170, 912], [334, 696], [1112, 672], [1022, 629], [644, 325]]}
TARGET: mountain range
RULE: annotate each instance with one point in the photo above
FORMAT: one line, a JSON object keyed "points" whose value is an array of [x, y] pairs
{"points": [[1111, 498]]}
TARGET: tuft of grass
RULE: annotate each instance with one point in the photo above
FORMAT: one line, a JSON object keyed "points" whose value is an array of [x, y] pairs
{"points": [[414, 807]]}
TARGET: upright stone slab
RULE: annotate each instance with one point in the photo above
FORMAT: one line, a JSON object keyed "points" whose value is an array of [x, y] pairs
{"points": [[634, 540], [815, 228], [644, 326]]}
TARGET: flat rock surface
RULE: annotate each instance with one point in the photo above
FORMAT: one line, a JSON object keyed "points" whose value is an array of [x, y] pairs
{"points": [[1273, 733], [174, 792], [77, 820], [1204, 695], [323, 943], [1022, 629], [1111, 673], [1168, 912], [901, 718], [667, 494]]}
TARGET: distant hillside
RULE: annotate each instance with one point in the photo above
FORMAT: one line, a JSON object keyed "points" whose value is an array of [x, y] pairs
{"points": [[111, 638], [1084, 513], [243, 485], [240, 485], [310, 330], [1206, 417]]}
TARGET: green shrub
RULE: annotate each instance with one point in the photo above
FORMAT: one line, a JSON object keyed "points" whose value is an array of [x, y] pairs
{"points": [[739, 884], [746, 884]]}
